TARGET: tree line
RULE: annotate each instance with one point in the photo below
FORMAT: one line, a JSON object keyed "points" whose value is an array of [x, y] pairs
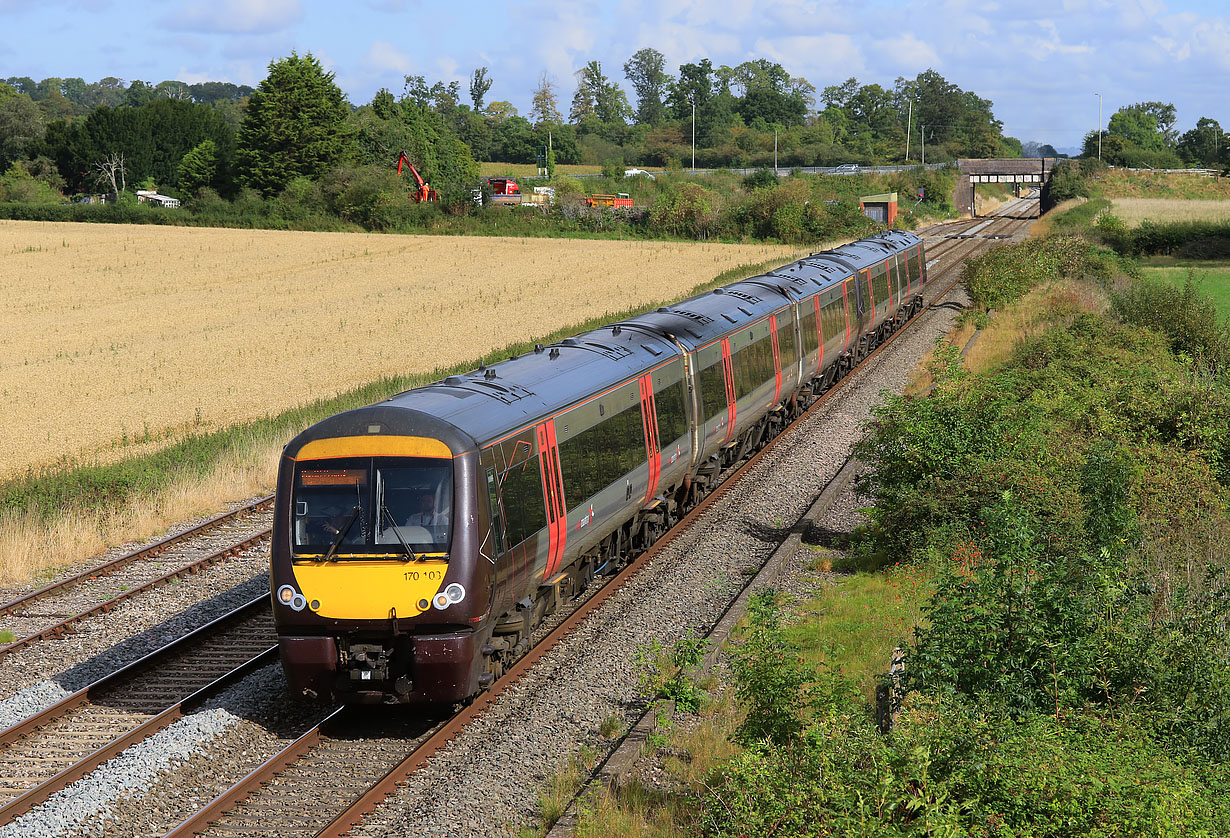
{"points": [[1146, 135], [63, 135]]}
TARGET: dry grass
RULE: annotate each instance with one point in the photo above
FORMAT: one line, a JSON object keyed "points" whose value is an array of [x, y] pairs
{"points": [[1043, 225], [1133, 211], [115, 335], [33, 548]]}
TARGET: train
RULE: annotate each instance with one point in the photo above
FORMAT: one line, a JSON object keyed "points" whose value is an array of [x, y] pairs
{"points": [[418, 542]]}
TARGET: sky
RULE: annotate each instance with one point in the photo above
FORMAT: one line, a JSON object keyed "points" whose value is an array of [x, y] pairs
{"points": [[1041, 63]]}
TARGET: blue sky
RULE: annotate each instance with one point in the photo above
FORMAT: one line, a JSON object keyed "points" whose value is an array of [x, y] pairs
{"points": [[1040, 62]]}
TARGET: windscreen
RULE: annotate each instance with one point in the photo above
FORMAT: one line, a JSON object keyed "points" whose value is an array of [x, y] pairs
{"points": [[389, 506]]}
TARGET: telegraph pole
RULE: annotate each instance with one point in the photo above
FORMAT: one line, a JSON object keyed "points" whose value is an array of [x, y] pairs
{"points": [[909, 123], [1099, 95], [693, 133]]}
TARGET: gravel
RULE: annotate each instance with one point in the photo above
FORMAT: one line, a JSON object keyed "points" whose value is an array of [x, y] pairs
{"points": [[29, 701], [487, 781], [126, 775], [114, 798], [106, 642]]}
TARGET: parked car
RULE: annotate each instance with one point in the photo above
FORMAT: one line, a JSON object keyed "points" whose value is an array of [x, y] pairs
{"points": [[847, 169], [635, 172]]}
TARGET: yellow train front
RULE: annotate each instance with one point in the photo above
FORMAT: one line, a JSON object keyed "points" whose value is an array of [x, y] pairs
{"points": [[376, 576]]}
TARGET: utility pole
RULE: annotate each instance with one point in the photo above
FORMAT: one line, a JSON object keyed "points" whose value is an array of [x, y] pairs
{"points": [[774, 151], [693, 133], [1099, 95], [923, 134], [909, 123]]}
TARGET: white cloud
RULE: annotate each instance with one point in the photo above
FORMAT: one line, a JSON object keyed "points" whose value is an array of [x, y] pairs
{"points": [[233, 16], [817, 57], [908, 51], [382, 57]]}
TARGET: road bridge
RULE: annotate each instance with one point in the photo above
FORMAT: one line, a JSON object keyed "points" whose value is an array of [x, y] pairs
{"points": [[1021, 172]]}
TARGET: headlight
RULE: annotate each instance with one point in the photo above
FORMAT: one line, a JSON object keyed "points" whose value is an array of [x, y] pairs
{"points": [[455, 593], [289, 596], [441, 601]]}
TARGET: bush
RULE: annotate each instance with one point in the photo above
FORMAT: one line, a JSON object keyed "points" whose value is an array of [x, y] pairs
{"points": [[1004, 274], [1186, 316]]}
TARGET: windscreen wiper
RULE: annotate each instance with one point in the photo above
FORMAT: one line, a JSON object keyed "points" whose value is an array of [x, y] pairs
{"points": [[386, 515], [354, 516]]}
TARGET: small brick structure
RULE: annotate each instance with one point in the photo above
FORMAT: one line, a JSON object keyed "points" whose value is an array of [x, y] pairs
{"points": [[1022, 171], [882, 207]]}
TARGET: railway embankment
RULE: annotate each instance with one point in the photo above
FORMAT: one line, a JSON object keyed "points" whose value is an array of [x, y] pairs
{"points": [[1047, 541], [663, 604]]}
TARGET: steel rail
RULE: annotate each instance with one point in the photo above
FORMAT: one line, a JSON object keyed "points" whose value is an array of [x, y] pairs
{"points": [[41, 792], [66, 625], [143, 553], [418, 757]]}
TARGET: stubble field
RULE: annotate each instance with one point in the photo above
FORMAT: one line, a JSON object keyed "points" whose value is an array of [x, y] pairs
{"points": [[115, 335]]}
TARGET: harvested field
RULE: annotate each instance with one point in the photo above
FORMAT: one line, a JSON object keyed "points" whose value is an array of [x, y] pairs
{"points": [[1134, 211], [115, 334]]}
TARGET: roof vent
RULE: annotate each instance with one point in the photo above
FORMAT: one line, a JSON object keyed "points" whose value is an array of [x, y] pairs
{"points": [[554, 353], [538, 347], [616, 329], [489, 374], [664, 310], [719, 290]]}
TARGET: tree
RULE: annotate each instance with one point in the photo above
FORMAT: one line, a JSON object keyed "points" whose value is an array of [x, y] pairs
{"points": [[1138, 125], [139, 93], [110, 170], [479, 85], [767, 93], [599, 97], [171, 89], [1165, 115], [1204, 144], [198, 167], [545, 106], [646, 69], [295, 126], [21, 127]]}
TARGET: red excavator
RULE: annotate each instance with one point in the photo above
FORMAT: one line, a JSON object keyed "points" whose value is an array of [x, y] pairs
{"points": [[424, 191]]}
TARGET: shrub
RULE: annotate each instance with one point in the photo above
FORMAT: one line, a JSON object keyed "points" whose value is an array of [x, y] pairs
{"points": [[1187, 317]]}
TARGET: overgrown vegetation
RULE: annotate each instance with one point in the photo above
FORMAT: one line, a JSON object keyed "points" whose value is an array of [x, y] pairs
{"points": [[1003, 275], [1069, 672]]}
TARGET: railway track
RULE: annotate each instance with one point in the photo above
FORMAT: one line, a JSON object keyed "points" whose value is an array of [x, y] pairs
{"points": [[46, 752], [55, 609], [293, 789]]}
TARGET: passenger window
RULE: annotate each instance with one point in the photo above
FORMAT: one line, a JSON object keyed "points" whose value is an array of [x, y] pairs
{"points": [[524, 507]]}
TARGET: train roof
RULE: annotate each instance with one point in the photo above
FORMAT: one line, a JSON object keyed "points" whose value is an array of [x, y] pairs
{"points": [[487, 403], [483, 405], [700, 320]]}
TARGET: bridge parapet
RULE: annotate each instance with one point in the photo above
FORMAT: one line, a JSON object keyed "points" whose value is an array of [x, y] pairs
{"points": [[1014, 170]]}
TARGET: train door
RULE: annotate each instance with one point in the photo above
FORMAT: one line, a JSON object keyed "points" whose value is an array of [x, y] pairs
{"points": [[653, 448], [732, 409], [553, 494], [777, 360]]}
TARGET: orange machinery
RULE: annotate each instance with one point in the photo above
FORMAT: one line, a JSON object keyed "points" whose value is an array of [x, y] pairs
{"points": [[620, 201], [424, 192]]}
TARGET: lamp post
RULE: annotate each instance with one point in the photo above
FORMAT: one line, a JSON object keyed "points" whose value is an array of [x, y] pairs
{"points": [[923, 134], [1099, 95]]}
